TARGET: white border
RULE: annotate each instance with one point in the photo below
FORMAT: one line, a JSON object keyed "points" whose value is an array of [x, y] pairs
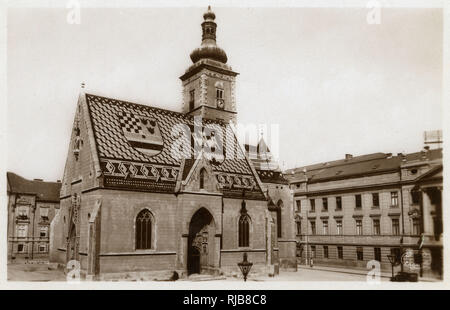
{"points": [[215, 285]]}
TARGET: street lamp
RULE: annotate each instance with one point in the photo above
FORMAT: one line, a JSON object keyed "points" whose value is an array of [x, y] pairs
{"points": [[245, 266], [393, 260]]}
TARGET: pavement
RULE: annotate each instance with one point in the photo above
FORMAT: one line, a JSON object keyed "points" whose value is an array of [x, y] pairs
{"points": [[362, 272], [47, 272], [35, 272]]}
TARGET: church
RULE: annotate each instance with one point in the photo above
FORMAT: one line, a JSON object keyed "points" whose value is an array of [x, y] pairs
{"points": [[152, 191]]}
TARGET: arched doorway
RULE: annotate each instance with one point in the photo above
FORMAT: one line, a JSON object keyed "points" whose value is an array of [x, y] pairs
{"points": [[201, 242], [194, 261]]}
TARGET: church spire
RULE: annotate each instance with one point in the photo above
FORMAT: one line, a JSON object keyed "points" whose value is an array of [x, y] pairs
{"points": [[209, 84], [209, 48]]}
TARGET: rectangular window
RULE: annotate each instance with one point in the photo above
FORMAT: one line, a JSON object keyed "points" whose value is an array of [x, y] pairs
{"points": [[416, 227], [375, 200], [325, 227], [359, 228], [359, 253], [325, 204], [377, 254], [313, 205], [325, 251], [42, 248], [395, 227], [22, 212], [20, 248], [43, 232], [219, 93], [299, 205], [358, 203], [22, 231], [313, 251], [415, 197], [340, 252], [339, 227], [192, 99], [376, 226], [299, 227], [313, 227], [338, 203], [394, 199]]}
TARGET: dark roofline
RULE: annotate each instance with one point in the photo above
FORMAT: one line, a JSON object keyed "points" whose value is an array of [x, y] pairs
{"points": [[20, 185], [346, 176], [350, 162], [139, 104], [181, 114], [341, 162]]}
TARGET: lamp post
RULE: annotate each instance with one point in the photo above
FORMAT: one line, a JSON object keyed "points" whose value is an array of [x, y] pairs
{"points": [[392, 259], [245, 266]]}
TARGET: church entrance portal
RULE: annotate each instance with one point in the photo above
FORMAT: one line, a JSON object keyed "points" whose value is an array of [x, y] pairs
{"points": [[201, 242]]}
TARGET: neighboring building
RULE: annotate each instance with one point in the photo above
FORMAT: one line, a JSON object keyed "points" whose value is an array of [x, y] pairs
{"points": [[31, 208], [280, 204], [146, 190], [358, 209]]}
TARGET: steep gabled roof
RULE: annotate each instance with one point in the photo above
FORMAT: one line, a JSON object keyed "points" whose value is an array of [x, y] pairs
{"points": [[44, 191], [265, 165], [138, 147]]}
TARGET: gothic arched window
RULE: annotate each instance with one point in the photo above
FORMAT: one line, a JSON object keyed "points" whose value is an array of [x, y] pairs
{"points": [[144, 230], [279, 230], [244, 231], [202, 178]]}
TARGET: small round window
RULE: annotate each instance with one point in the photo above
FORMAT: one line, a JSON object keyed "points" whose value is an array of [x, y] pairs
{"points": [[413, 171]]}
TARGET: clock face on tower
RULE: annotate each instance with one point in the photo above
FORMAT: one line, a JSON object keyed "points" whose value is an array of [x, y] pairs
{"points": [[220, 103]]}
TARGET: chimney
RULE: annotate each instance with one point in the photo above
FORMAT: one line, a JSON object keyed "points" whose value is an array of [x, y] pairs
{"points": [[423, 155], [348, 156]]}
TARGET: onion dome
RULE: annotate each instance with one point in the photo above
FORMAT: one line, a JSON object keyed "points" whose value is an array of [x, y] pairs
{"points": [[209, 49]]}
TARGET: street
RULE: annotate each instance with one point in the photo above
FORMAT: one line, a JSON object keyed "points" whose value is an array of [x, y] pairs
{"points": [[42, 272]]}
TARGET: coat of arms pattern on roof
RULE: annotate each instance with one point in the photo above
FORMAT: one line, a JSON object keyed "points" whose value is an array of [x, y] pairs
{"points": [[141, 132], [135, 147]]}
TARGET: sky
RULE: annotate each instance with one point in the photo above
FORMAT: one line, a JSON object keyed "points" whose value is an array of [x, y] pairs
{"points": [[331, 82]]}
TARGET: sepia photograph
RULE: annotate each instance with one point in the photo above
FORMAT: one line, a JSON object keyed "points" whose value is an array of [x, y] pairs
{"points": [[224, 145]]}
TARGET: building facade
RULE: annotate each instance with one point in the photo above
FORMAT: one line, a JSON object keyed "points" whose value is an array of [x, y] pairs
{"points": [[280, 204], [151, 191], [350, 212], [31, 208]]}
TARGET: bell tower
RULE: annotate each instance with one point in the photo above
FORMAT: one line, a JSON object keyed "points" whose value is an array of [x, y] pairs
{"points": [[209, 84]]}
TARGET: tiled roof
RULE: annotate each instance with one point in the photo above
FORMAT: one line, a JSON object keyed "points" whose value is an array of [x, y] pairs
{"points": [[157, 171], [366, 164], [267, 168], [44, 191]]}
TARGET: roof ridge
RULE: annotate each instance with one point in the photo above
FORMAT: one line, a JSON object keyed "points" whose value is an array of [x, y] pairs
{"points": [[140, 104], [346, 162]]}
